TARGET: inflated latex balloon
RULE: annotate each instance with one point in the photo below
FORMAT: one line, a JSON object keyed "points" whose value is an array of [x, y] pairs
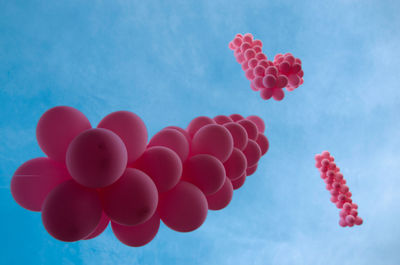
{"points": [[184, 208], [172, 139], [222, 119], [131, 200], [104, 221], [162, 165], [251, 170], [238, 133], [258, 122], [250, 127], [204, 171], [96, 158], [252, 153], [71, 212], [137, 235], [222, 197], [236, 184], [57, 128], [198, 123], [182, 131], [215, 140], [236, 117], [263, 143], [34, 179], [236, 165]]}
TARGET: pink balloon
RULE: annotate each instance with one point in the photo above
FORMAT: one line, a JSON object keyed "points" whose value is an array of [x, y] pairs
{"points": [[71, 212], [269, 81], [96, 158], [213, 139], [138, 235], [258, 122], [236, 184], [278, 94], [263, 143], [172, 139], [34, 179], [204, 171], [238, 133], [183, 132], [130, 128], [342, 222], [198, 123], [131, 200], [236, 117], [252, 153], [57, 128], [358, 221], [184, 208], [250, 127], [222, 119], [251, 170], [266, 93], [162, 165], [104, 221], [222, 197], [236, 165]]}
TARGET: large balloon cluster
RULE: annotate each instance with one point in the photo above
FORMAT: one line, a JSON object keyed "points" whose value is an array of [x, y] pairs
{"points": [[336, 185], [268, 77], [111, 174]]}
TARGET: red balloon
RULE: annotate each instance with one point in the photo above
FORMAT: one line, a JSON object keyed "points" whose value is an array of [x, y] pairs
{"points": [[258, 122], [172, 139], [34, 179], [251, 170], [198, 123], [57, 128], [162, 165], [131, 200], [222, 197], [184, 208], [238, 133], [263, 143], [137, 235], [104, 221], [182, 131], [222, 119], [96, 158], [252, 153], [130, 128], [204, 171], [236, 184], [250, 127], [71, 212], [213, 139], [237, 117], [236, 165]]}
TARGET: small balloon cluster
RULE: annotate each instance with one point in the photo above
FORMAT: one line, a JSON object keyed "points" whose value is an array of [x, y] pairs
{"points": [[94, 176], [268, 77], [336, 185]]}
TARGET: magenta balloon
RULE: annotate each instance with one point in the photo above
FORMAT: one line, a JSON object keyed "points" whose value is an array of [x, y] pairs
{"points": [[96, 158], [34, 179], [236, 165], [184, 208], [130, 128], [162, 165], [222, 119], [104, 221], [251, 170], [131, 200], [57, 128], [204, 171], [238, 133], [258, 122], [236, 117], [137, 235], [172, 139], [71, 212], [236, 184], [222, 197], [182, 131], [250, 127], [252, 153], [198, 123], [263, 143]]}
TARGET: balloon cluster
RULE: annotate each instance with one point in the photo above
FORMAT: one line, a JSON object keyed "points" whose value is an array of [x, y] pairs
{"points": [[111, 174], [268, 77], [336, 185]]}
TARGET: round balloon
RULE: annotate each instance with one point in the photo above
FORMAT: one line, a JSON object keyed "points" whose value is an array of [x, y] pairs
{"points": [[263, 143], [198, 123], [172, 139], [250, 127], [236, 184], [252, 153], [258, 122], [237, 117], [222, 197], [57, 128], [71, 212], [96, 158], [182, 131], [238, 133], [251, 170], [222, 119], [104, 221], [236, 165]]}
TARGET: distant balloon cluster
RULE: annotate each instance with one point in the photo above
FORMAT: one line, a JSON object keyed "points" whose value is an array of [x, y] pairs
{"points": [[94, 176], [336, 185], [268, 77]]}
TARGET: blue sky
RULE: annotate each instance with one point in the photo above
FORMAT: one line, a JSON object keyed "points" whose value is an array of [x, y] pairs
{"points": [[168, 61]]}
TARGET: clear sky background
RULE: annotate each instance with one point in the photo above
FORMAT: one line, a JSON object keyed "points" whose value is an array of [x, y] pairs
{"points": [[168, 61]]}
